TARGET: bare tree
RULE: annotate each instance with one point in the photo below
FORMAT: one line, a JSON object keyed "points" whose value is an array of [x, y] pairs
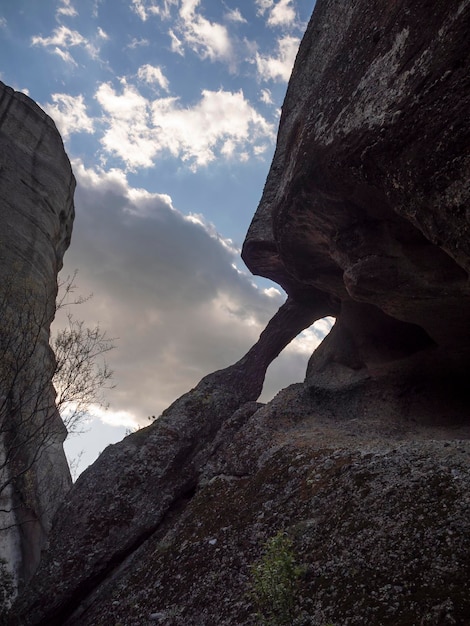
{"points": [[81, 372], [42, 379]]}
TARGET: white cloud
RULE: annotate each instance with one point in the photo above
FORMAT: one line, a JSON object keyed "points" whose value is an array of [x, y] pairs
{"points": [[153, 74], [309, 339], [266, 96], [138, 43], [62, 36], [208, 39], [102, 34], [234, 15], [3, 22], [139, 8], [222, 123], [282, 14], [272, 292], [144, 8], [61, 40], [259, 150], [163, 9], [128, 133], [263, 5], [279, 68], [95, 7], [115, 418], [66, 9], [176, 43], [196, 134], [64, 55], [69, 114]]}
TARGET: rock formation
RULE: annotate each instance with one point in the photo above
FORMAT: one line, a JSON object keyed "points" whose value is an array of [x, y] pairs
{"points": [[36, 214], [366, 464]]}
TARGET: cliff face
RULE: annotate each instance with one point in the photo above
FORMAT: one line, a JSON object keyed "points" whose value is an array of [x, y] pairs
{"points": [[366, 464], [36, 214], [367, 193]]}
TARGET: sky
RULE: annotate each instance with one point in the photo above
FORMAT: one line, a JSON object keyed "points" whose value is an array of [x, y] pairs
{"points": [[169, 112]]}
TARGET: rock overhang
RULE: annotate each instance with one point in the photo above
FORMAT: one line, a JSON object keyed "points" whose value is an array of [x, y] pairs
{"points": [[366, 197]]}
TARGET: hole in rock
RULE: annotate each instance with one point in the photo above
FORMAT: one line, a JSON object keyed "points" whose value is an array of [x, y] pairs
{"points": [[291, 365]]}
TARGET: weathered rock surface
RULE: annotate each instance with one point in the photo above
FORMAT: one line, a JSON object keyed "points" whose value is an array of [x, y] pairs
{"points": [[366, 464], [36, 214], [158, 473], [367, 196], [377, 506]]}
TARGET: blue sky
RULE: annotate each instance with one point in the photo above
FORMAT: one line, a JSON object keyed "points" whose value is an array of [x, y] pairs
{"points": [[169, 112]]}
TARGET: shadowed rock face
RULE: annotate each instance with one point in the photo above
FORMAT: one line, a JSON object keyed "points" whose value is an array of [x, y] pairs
{"points": [[367, 196], [137, 485], [36, 215], [366, 464]]}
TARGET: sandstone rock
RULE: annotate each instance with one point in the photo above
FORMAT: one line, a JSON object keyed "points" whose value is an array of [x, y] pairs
{"points": [[36, 214], [138, 486], [366, 464], [367, 193], [378, 514]]}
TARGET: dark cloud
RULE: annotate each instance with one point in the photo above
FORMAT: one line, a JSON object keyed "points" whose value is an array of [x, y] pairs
{"points": [[165, 285]]}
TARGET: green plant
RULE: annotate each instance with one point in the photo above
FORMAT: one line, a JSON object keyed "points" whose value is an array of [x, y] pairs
{"points": [[275, 580]]}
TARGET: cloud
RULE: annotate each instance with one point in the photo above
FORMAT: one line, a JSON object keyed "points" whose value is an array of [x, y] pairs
{"points": [[163, 9], [234, 15], [144, 8], [279, 68], [152, 74], [102, 34], [220, 124], [208, 39], [165, 285], [259, 150], [115, 418], [138, 43], [190, 29], [128, 133], [263, 5], [176, 43], [139, 7], [95, 8], [266, 96], [66, 9], [61, 40], [280, 13], [69, 114], [3, 22], [64, 55], [62, 36]]}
